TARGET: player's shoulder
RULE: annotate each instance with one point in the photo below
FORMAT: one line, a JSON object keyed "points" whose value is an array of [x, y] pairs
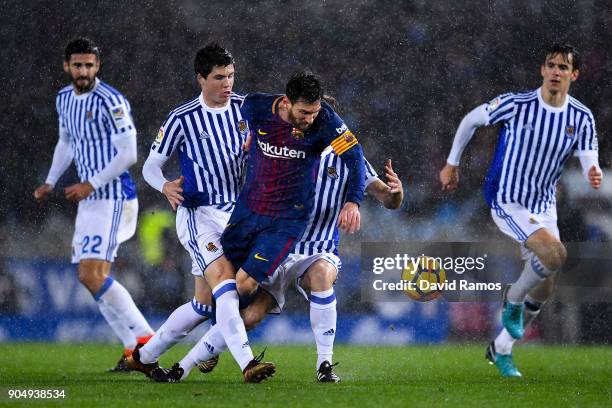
{"points": [[107, 92], [328, 113], [64, 90], [63, 94], [185, 107], [259, 103], [579, 106]]}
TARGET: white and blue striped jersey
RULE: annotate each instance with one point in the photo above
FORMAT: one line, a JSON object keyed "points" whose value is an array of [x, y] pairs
{"points": [[209, 143], [534, 143], [91, 121], [321, 234]]}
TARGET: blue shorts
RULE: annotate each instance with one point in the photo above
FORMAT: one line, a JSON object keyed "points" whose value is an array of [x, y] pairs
{"points": [[259, 243]]}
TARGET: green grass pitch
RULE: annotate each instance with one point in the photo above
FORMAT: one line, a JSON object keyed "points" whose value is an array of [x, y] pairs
{"points": [[421, 376]]}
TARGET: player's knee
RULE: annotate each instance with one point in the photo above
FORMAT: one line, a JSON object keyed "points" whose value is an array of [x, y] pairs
{"points": [[251, 317], [321, 278], [218, 271], [554, 256], [91, 279], [246, 287]]}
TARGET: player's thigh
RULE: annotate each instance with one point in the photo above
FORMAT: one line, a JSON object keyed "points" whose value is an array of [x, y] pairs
{"points": [[238, 236], [199, 231], [317, 273], [271, 247], [96, 230]]}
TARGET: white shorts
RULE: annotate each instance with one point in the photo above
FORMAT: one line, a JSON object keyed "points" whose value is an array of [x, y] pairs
{"points": [[292, 270], [519, 223], [199, 230], [100, 226]]}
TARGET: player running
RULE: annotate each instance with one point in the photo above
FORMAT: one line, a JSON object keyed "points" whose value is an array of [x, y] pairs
{"points": [[541, 129], [205, 132], [97, 132], [289, 133], [313, 267]]}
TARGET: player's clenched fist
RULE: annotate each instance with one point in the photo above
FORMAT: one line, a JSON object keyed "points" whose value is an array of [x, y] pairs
{"points": [[172, 190], [349, 219], [41, 192], [595, 177], [449, 177]]}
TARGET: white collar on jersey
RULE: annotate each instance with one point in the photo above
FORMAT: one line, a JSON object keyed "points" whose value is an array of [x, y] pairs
{"points": [[549, 107], [86, 94], [212, 110]]}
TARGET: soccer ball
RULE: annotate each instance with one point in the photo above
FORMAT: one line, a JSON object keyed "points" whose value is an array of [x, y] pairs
{"points": [[424, 282]]}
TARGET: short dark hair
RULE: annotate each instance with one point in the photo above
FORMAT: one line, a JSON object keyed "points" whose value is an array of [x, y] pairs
{"points": [[210, 56], [304, 86], [81, 46], [565, 50]]}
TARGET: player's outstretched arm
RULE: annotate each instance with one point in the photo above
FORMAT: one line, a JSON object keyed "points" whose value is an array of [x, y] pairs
{"points": [[449, 177], [391, 193]]}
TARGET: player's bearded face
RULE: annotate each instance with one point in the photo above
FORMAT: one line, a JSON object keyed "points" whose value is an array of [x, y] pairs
{"points": [[302, 115], [82, 70]]}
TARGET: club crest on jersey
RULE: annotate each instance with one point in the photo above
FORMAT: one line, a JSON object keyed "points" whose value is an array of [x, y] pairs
{"points": [[570, 131], [89, 116], [297, 134], [493, 104], [210, 247], [243, 128], [332, 173]]}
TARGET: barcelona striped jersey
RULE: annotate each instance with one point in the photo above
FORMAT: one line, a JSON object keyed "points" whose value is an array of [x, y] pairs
{"points": [[281, 172]]}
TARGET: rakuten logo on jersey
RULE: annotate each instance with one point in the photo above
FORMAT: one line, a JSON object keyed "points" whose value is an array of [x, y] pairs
{"points": [[277, 152]]}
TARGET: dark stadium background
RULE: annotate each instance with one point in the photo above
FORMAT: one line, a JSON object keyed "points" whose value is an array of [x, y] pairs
{"points": [[404, 74]]}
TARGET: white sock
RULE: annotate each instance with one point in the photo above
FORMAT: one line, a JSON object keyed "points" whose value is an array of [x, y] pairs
{"points": [[210, 345], [504, 341], [323, 318], [125, 335], [230, 323], [119, 301], [178, 325], [533, 273]]}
